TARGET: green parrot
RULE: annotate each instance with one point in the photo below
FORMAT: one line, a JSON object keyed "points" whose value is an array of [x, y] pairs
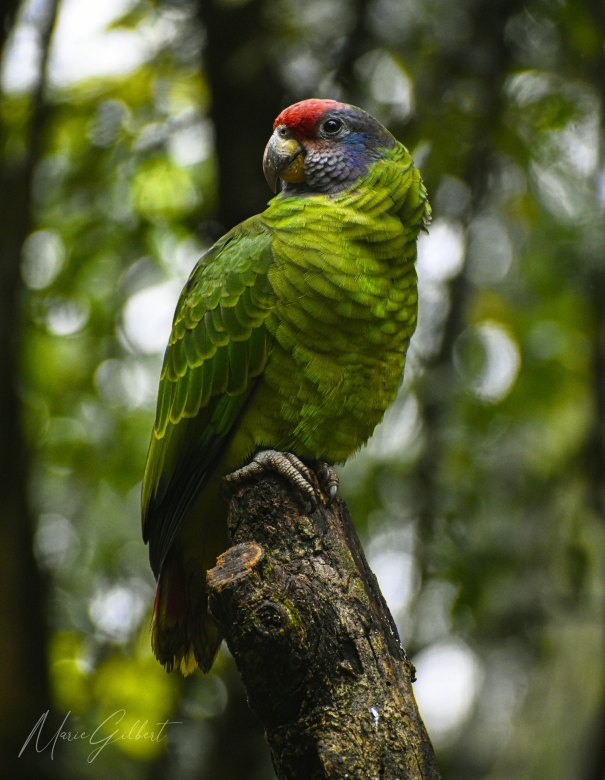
{"points": [[287, 346]]}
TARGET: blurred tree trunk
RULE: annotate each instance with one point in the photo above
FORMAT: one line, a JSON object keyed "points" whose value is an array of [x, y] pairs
{"points": [[247, 95], [357, 43], [8, 9], [247, 755], [486, 57], [593, 753], [24, 693]]}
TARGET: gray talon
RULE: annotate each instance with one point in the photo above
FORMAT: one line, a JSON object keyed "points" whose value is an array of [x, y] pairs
{"points": [[295, 471], [284, 463]]}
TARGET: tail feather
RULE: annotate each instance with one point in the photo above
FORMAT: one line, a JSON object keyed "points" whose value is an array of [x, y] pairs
{"points": [[183, 635]]}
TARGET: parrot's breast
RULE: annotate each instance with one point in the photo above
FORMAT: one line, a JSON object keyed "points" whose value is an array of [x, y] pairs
{"points": [[346, 306]]}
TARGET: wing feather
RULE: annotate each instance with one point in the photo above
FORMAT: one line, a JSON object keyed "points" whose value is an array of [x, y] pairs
{"points": [[218, 346]]}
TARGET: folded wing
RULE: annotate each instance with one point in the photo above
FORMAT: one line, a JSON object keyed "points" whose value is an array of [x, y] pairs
{"points": [[218, 347]]}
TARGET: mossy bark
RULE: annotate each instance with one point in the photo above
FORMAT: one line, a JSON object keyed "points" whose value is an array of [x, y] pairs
{"points": [[315, 643]]}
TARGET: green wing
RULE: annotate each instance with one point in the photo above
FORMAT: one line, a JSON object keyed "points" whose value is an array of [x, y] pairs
{"points": [[218, 346]]}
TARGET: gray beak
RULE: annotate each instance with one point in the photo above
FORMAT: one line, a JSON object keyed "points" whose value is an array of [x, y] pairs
{"points": [[280, 154]]}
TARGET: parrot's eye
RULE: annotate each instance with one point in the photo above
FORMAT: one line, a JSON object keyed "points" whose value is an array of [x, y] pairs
{"points": [[332, 126]]}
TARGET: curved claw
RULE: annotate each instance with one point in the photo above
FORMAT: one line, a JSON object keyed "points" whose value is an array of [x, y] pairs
{"points": [[328, 480], [311, 505]]}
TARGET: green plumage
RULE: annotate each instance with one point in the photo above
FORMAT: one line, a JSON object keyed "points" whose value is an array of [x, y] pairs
{"points": [[290, 334]]}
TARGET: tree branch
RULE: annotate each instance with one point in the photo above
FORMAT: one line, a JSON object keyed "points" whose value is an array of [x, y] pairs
{"points": [[315, 643]]}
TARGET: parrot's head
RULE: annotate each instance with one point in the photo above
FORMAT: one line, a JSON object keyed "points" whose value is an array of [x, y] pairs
{"points": [[323, 146]]}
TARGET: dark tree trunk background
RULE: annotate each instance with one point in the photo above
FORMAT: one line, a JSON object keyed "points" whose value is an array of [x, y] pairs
{"points": [[8, 9], [315, 643], [593, 752], [246, 93], [24, 693], [490, 62]]}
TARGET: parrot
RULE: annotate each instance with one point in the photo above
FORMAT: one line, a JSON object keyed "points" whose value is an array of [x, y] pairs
{"points": [[288, 344]]}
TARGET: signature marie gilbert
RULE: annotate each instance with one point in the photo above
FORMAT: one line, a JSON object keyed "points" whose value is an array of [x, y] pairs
{"points": [[139, 731]]}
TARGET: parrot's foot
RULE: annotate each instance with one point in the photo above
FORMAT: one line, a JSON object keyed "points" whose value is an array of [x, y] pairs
{"points": [[328, 479], [293, 469]]}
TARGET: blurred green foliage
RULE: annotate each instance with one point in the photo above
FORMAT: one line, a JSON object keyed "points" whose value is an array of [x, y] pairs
{"points": [[481, 499]]}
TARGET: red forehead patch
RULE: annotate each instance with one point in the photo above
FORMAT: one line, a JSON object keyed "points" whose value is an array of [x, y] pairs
{"points": [[302, 118]]}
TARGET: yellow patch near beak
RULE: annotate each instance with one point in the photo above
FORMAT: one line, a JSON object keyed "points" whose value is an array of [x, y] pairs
{"points": [[295, 172]]}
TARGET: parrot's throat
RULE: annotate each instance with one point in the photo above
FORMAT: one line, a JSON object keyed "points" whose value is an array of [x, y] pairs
{"points": [[330, 169]]}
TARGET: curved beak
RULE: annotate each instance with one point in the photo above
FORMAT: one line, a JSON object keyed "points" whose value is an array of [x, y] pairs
{"points": [[283, 158]]}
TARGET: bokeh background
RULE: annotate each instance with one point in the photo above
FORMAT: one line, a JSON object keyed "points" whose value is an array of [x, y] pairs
{"points": [[131, 137]]}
